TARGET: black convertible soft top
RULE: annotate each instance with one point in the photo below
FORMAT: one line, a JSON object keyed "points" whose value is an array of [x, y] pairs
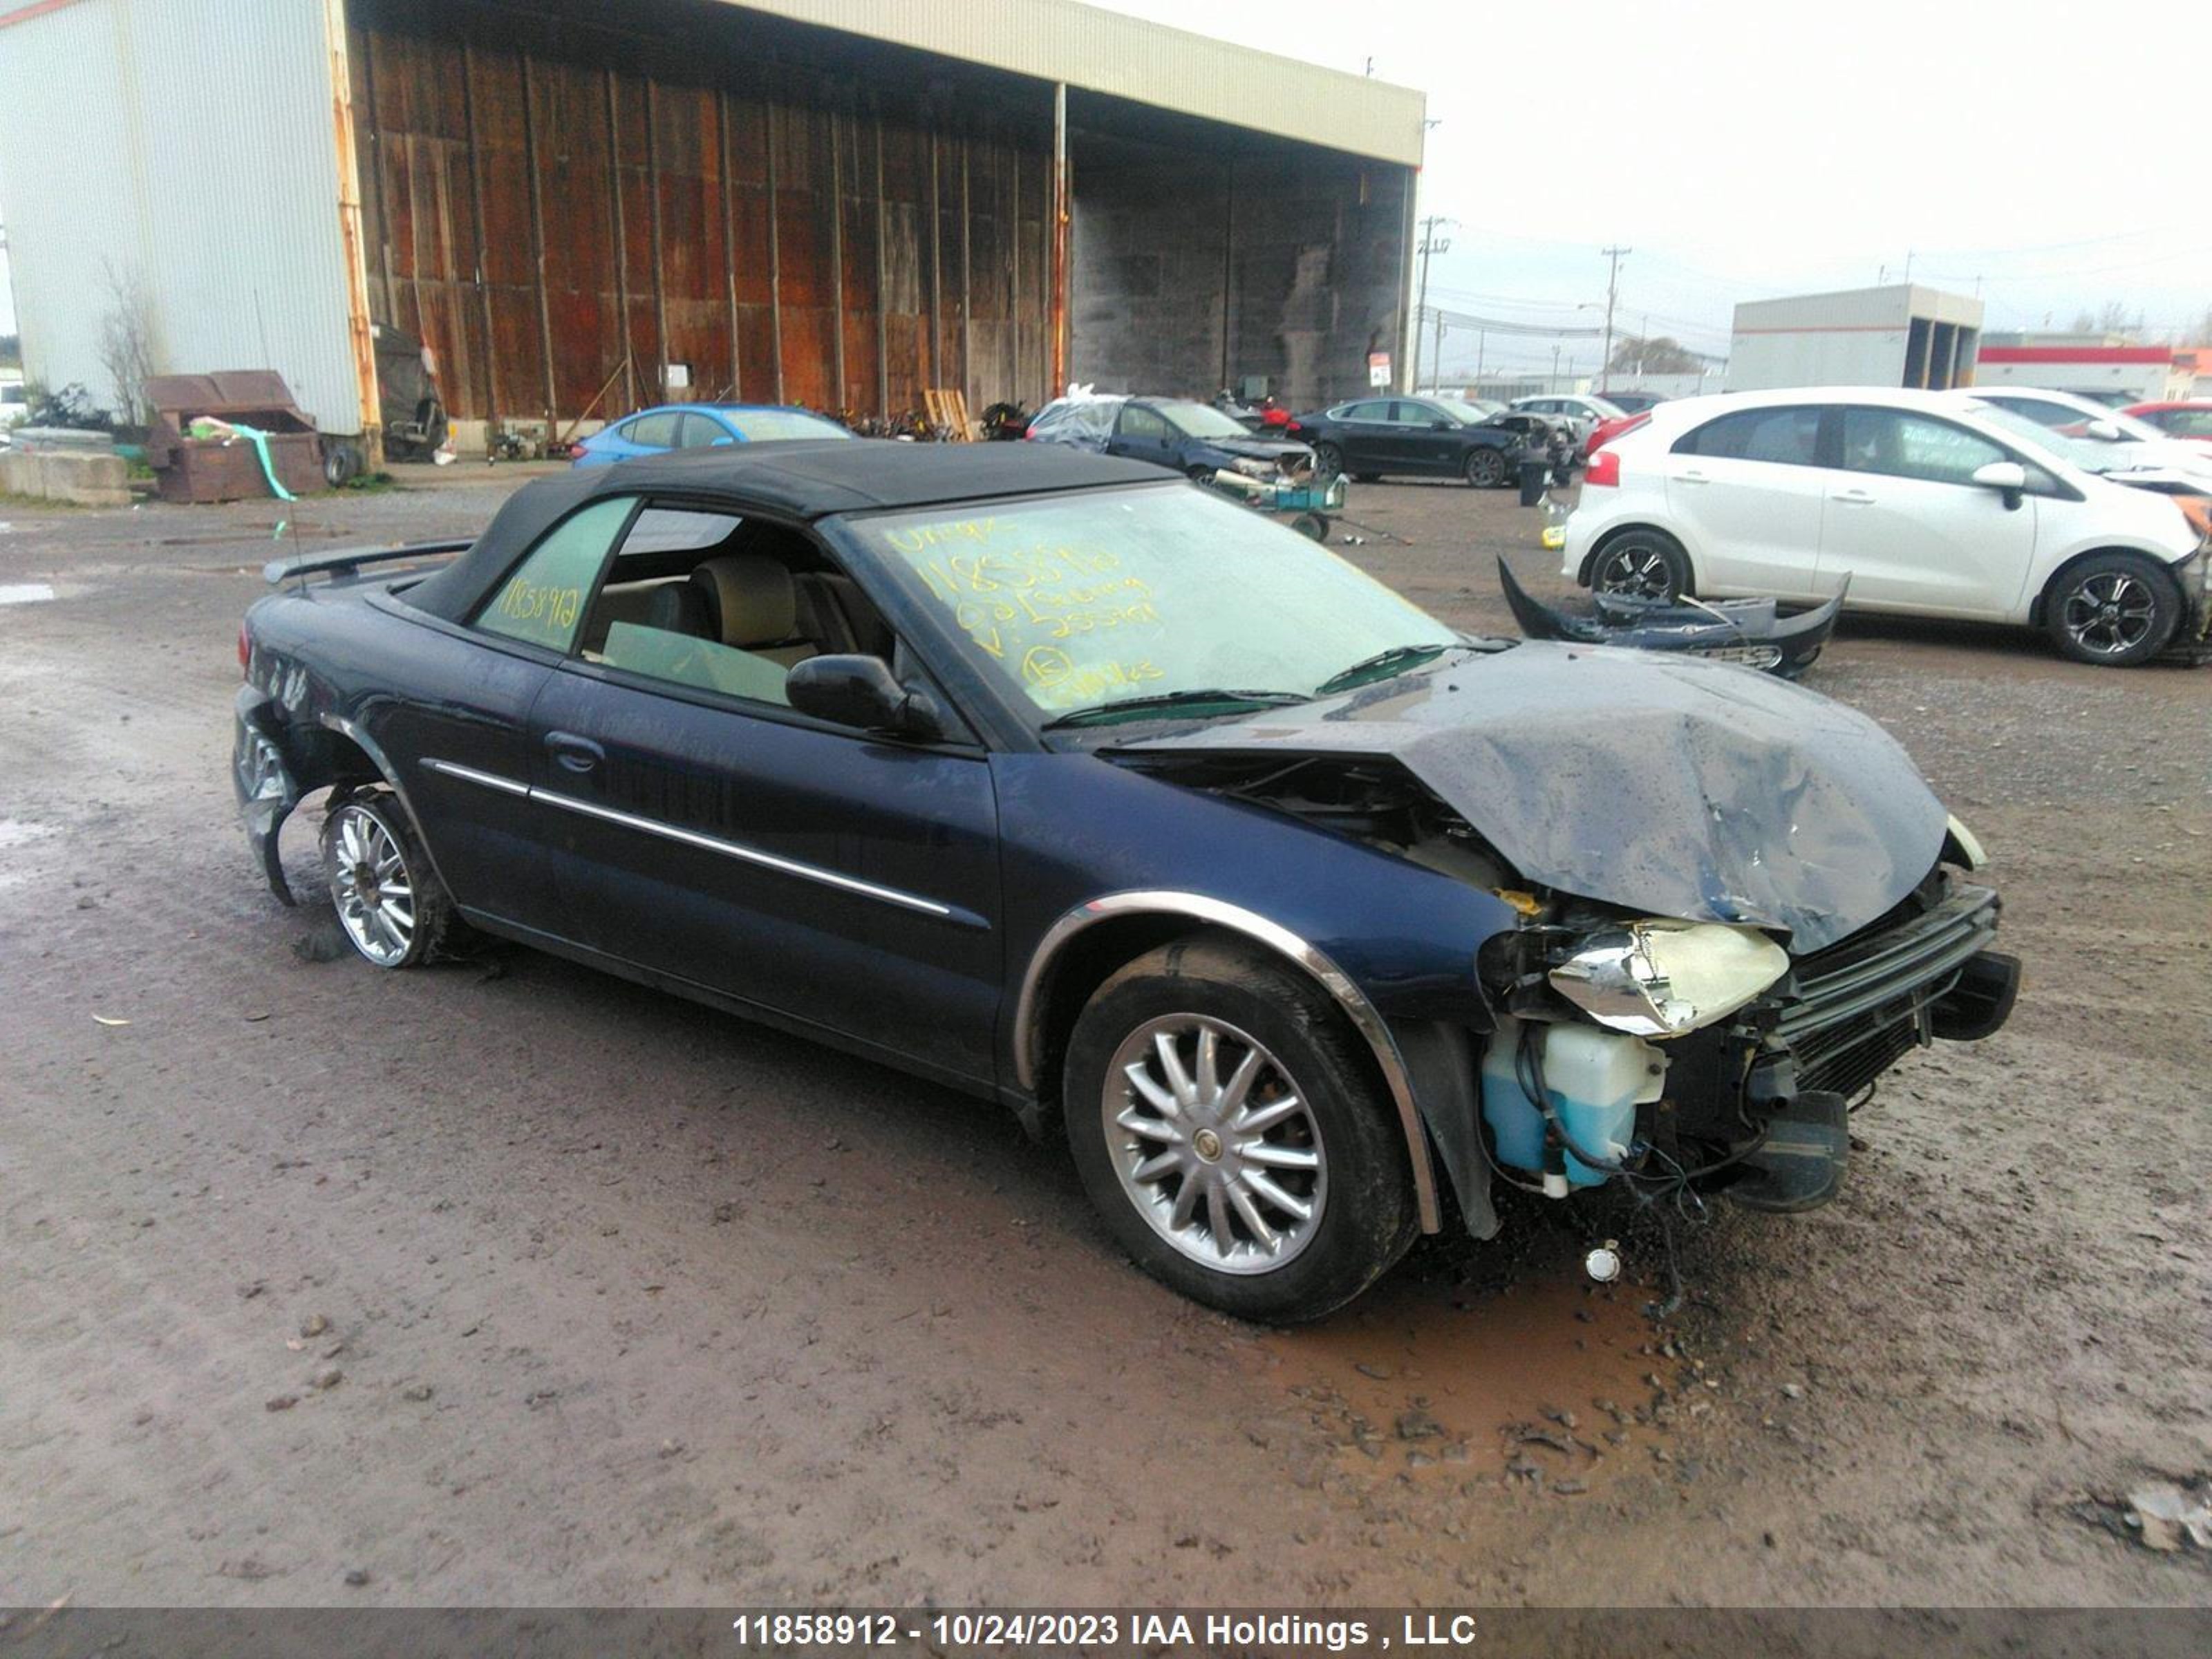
{"points": [[804, 479]]}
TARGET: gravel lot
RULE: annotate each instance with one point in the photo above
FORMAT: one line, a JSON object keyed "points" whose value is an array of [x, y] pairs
{"points": [[509, 1283]]}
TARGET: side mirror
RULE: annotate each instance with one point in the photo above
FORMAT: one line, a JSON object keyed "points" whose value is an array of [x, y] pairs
{"points": [[861, 691], [2008, 479], [2105, 432]]}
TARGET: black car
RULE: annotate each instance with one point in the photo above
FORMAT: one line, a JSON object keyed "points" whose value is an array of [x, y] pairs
{"points": [[1196, 439], [1413, 437], [1303, 917]]}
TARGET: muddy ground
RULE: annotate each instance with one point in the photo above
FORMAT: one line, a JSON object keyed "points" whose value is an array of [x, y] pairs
{"points": [[506, 1282]]}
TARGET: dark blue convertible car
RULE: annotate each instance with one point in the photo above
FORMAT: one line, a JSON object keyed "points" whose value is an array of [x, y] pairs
{"points": [[1305, 919]]}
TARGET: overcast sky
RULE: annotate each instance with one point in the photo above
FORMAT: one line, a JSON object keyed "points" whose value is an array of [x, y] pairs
{"points": [[2060, 154]]}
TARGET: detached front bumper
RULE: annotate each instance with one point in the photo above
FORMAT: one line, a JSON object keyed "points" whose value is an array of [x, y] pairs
{"points": [[263, 783]]}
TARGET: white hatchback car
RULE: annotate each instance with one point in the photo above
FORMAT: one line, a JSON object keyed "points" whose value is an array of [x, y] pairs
{"points": [[1904, 501]]}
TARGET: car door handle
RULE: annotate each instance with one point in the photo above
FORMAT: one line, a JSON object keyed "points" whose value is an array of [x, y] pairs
{"points": [[1852, 498], [1693, 478], [574, 754]]}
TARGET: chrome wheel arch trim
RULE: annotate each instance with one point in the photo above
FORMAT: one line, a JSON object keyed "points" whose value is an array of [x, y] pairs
{"points": [[1366, 1019]]}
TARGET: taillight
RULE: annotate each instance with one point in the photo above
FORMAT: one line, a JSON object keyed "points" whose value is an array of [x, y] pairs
{"points": [[245, 649], [1604, 470], [1292, 426]]}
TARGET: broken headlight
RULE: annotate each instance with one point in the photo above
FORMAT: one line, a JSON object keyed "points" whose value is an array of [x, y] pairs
{"points": [[1961, 846], [1660, 978]]}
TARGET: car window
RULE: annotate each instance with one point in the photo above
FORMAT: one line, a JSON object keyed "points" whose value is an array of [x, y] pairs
{"points": [[2185, 422], [543, 602], [764, 425], [1404, 413], [1076, 600], [1907, 445], [1138, 422], [701, 432], [653, 431], [2044, 413], [1784, 437], [705, 600], [1197, 420], [1371, 410]]}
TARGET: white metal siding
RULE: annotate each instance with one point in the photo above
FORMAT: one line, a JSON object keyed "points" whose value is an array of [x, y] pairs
{"points": [[1760, 362], [190, 141], [1102, 51]]}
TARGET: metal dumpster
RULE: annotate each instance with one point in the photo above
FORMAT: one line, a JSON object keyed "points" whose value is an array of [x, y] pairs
{"points": [[198, 470]]}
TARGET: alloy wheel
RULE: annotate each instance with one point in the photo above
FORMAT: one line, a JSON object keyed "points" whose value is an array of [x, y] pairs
{"points": [[372, 886], [1636, 571], [1214, 1144], [2110, 614]]}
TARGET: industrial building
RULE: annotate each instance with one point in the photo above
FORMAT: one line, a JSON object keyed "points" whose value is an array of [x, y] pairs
{"points": [[583, 208], [1904, 335]]}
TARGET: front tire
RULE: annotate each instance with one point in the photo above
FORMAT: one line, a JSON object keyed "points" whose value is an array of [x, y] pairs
{"points": [[1642, 564], [391, 907], [1231, 1132], [1485, 468], [2116, 611]]}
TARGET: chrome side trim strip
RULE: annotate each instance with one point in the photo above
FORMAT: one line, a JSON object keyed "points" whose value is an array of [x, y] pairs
{"points": [[746, 854], [470, 774], [814, 873], [1348, 996]]}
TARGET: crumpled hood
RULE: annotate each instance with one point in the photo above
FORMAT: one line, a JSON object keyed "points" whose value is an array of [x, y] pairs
{"points": [[1259, 448], [1676, 788]]}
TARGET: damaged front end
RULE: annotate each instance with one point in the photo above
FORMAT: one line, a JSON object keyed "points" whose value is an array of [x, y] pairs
{"points": [[1736, 905], [1706, 1056]]}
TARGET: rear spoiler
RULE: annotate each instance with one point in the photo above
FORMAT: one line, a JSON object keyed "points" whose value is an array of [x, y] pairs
{"points": [[349, 561]]}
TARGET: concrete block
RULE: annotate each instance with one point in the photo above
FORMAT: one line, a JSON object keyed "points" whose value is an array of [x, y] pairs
{"points": [[81, 479]]}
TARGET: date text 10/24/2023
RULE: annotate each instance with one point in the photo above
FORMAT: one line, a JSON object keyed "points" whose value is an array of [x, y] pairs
{"points": [[1043, 1629]]}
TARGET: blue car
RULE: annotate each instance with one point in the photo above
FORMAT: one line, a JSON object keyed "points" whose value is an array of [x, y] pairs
{"points": [[1304, 920], [700, 426]]}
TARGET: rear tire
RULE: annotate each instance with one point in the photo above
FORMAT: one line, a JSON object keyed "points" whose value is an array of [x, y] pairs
{"points": [[2115, 610], [1328, 460], [1644, 564], [391, 907], [1268, 1109]]}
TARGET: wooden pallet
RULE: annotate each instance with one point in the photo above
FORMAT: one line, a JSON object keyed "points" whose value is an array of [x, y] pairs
{"points": [[947, 409]]}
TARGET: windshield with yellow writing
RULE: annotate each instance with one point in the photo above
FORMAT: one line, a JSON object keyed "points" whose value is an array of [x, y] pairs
{"points": [[1085, 600]]}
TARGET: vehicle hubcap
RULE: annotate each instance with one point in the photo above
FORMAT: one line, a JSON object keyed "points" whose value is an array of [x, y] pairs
{"points": [[1214, 1144], [1638, 572], [372, 887], [2111, 613]]}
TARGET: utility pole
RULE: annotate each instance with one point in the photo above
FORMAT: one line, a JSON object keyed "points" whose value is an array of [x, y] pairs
{"points": [[1554, 387], [1614, 256], [1436, 364], [1430, 243]]}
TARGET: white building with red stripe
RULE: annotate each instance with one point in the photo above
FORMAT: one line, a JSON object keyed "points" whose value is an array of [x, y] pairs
{"points": [[2117, 374]]}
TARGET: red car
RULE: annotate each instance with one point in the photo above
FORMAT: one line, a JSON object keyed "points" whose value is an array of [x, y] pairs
{"points": [[1605, 431], [2188, 419]]}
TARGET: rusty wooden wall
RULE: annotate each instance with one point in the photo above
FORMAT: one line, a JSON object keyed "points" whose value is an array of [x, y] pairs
{"points": [[790, 237]]}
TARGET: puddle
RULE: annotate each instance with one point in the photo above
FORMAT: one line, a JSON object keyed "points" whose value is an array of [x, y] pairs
{"points": [[1545, 1378], [15, 832], [24, 592]]}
